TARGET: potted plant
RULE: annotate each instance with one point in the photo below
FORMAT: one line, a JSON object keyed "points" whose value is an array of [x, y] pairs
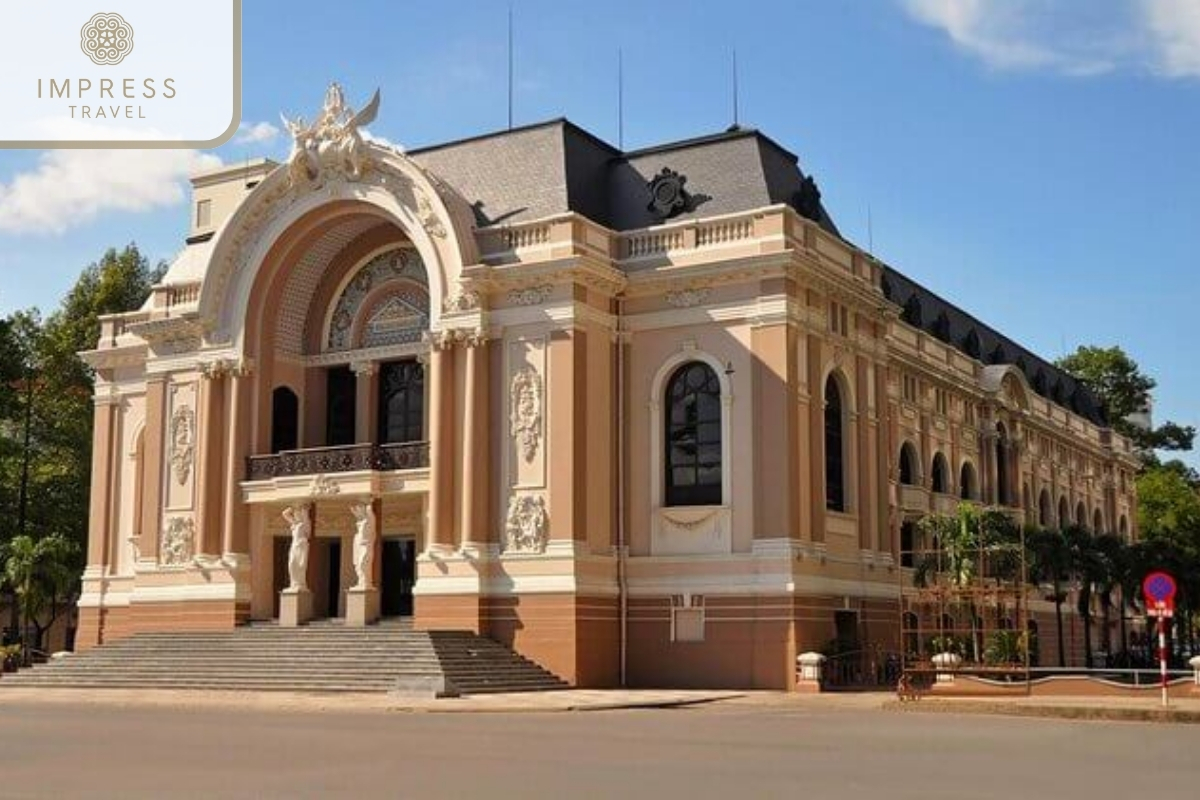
{"points": [[11, 655]]}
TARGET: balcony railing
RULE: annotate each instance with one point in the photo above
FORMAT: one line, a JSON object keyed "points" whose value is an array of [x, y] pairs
{"points": [[350, 458]]}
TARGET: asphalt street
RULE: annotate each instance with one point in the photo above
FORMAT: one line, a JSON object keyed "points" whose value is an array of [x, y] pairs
{"points": [[61, 751]]}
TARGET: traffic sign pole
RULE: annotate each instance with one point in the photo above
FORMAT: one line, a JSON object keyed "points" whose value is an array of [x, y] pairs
{"points": [[1162, 651]]}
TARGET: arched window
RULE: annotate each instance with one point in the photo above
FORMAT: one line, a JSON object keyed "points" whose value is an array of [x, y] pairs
{"points": [[967, 488], [1123, 528], [285, 419], [401, 402], [939, 476], [1097, 521], [1081, 516], [1002, 487], [909, 465], [1064, 513], [835, 467], [693, 436], [1044, 509]]}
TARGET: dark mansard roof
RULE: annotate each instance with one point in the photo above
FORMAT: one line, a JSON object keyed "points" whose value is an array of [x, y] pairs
{"points": [[554, 167]]}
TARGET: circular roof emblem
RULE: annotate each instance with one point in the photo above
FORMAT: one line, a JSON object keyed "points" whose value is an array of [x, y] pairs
{"points": [[106, 39]]}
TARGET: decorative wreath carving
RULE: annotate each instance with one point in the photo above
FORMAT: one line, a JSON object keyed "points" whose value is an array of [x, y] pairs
{"points": [[526, 528], [175, 548]]}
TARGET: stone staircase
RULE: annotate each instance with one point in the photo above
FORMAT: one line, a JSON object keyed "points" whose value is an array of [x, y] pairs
{"points": [[320, 657]]}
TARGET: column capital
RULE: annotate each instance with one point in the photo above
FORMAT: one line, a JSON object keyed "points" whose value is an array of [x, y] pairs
{"points": [[221, 367], [364, 368]]}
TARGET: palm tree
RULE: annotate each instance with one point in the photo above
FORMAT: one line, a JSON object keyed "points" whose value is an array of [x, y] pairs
{"points": [[43, 574], [1088, 568], [1116, 557], [974, 544], [1050, 563]]}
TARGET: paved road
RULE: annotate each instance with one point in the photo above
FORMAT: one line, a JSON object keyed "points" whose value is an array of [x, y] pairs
{"points": [[723, 751]]}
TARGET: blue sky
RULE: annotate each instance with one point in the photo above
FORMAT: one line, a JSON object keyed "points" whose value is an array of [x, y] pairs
{"points": [[1031, 160]]}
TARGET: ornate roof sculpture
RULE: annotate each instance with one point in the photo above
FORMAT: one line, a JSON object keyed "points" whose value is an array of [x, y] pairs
{"points": [[332, 142]]}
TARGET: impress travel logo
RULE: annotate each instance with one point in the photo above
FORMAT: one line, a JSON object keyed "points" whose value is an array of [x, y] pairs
{"points": [[107, 39], [83, 78]]}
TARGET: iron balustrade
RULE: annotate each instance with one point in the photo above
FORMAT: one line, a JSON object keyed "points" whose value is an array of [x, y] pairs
{"points": [[348, 458]]}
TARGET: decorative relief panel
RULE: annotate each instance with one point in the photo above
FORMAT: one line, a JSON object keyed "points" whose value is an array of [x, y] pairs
{"points": [[525, 411], [699, 530], [176, 545], [183, 443], [530, 296], [527, 526], [687, 298]]}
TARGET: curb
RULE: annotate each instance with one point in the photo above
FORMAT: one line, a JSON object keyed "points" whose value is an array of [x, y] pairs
{"points": [[575, 707], [1086, 713]]}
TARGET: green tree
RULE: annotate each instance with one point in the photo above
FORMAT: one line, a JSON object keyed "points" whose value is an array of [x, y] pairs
{"points": [[45, 576], [1125, 390], [46, 409]]}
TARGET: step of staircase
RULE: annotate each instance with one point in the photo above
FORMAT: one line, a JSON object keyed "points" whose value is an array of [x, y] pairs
{"points": [[321, 657]]}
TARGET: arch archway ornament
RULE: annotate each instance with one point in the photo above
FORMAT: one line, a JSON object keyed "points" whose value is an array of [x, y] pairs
{"points": [[332, 163]]}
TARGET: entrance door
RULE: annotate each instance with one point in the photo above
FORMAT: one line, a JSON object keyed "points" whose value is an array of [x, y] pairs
{"points": [[334, 582], [399, 575]]}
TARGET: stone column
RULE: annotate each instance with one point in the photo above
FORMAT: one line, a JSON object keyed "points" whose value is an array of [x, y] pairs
{"points": [[156, 423], [366, 401], [100, 521], [441, 443], [861, 426], [209, 483], [236, 538], [476, 439], [816, 434]]}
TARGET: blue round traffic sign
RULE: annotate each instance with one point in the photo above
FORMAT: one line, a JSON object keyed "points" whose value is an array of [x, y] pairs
{"points": [[1159, 587]]}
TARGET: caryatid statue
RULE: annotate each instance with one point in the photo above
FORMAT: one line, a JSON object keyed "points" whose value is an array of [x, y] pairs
{"points": [[364, 543], [300, 522]]}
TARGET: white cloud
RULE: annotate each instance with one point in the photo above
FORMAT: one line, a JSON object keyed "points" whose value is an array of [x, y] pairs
{"points": [[256, 133], [1175, 28], [70, 188], [1071, 37], [382, 141]]}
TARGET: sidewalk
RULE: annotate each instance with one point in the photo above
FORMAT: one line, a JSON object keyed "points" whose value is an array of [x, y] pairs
{"points": [[520, 702], [1114, 709]]}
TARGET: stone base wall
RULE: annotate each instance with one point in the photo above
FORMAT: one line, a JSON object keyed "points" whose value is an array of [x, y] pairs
{"points": [[104, 625]]}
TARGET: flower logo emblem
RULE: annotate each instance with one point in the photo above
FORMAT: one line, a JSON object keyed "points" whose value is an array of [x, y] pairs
{"points": [[106, 39]]}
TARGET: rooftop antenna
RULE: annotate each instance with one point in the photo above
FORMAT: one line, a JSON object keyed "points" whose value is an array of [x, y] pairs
{"points": [[510, 66], [735, 89], [620, 100]]}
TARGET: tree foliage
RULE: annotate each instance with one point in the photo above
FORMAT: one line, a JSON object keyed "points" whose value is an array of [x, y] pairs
{"points": [[1125, 390], [46, 401]]}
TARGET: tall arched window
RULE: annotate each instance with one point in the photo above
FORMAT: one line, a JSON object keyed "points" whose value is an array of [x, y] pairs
{"points": [[285, 419], [401, 402], [1044, 509], [835, 466], [1098, 521], [693, 436], [940, 474], [966, 481], [1002, 487], [909, 465], [1081, 516], [1064, 513]]}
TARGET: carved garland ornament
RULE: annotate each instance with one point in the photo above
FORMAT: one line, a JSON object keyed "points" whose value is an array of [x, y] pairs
{"points": [[183, 437], [526, 528], [525, 410], [175, 547], [531, 296], [687, 298]]}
